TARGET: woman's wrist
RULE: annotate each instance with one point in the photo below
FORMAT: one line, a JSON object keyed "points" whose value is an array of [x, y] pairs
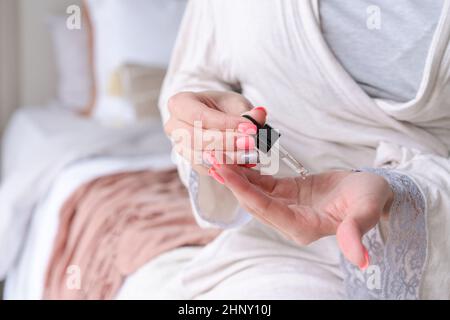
{"points": [[391, 193], [388, 206]]}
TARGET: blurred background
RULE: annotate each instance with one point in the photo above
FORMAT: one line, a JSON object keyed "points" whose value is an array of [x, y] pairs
{"points": [[79, 87], [27, 60]]}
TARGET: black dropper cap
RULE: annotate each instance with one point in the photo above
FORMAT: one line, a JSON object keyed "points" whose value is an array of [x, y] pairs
{"points": [[266, 137]]}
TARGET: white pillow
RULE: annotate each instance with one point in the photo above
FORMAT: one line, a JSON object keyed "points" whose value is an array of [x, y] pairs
{"points": [[72, 63], [132, 31]]}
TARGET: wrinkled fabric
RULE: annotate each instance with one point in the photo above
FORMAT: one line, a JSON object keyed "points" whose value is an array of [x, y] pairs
{"points": [[114, 225]]}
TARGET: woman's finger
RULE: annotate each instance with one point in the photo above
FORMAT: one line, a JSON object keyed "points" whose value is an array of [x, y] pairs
{"points": [[194, 158], [202, 139], [249, 209], [349, 237], [205, 159], [262, 205], [188, 107], [267, 183], [230, 102], [362, 215]]}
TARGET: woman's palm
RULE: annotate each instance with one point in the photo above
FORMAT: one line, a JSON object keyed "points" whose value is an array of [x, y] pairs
{"points": [[344, 203]]}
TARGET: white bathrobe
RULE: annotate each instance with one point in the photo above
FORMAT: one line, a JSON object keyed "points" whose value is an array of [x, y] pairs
{"points": [[274, 52]]}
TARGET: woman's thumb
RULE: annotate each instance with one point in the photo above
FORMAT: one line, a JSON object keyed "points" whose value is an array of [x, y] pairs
{"points": [[349, 237]]}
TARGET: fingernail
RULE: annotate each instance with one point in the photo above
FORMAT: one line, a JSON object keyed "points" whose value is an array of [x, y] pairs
{"points": [[210, 158], [261, 109], [366, 262], [247, 128], [248, 166], [245, 143], [212, 173]]}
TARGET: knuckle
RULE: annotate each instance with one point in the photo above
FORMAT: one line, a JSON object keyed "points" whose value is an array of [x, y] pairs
{"points": [[168, 127], [177, 100], [303, 239], [172, 103], [242, 105], [231, 122], [201, 117]]}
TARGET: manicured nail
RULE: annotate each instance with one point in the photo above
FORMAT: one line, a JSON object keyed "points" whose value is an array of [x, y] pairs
{"points": [[248, 166], [245, 143], [210, 158], [212, 173], [247, 128], [366, 262], [261, 109]]}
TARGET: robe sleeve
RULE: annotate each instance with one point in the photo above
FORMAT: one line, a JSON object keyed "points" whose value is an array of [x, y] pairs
{"points": [[198, 65], [411, 252], [431, 173]]}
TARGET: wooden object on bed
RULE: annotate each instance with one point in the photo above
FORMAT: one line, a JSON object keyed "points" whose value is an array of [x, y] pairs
{"points": [[136, 83], [140, 85]]}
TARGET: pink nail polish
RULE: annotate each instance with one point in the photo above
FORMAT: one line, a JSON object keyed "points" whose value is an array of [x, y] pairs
{"points": [[247, 128], [212, 172], [245, 143], [248, 166], [261, 109], [366, 263]]}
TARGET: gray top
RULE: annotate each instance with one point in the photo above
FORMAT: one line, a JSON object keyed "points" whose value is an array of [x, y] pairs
{"points": [[382, 44]]}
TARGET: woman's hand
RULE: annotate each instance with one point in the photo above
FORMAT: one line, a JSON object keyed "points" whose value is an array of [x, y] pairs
{"points": [[207, 121], [347, 204]]}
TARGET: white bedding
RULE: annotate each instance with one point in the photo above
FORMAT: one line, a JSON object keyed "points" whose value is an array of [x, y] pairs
{"points": [[40, 144], [26, 280], [32, 128]]}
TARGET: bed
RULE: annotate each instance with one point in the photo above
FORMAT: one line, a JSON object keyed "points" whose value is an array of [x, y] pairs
{"points": [[37, 126], [95, 127]]}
